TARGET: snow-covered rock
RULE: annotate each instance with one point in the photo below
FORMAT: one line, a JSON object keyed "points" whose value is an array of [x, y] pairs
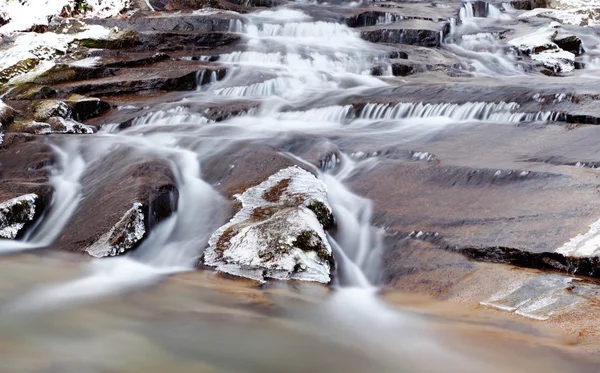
{"points": [[23, 14], [51, 108], [15, 213], [67, 125], [540, 46], [279, 232], [27, 55], [571, 12], [123, 236]]}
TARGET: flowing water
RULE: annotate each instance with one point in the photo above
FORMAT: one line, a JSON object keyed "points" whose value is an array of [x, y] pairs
{"points": [[299, 71]]}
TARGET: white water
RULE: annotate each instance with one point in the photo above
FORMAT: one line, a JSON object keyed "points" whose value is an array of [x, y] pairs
{"points": [[298, 62], [64, 178]]}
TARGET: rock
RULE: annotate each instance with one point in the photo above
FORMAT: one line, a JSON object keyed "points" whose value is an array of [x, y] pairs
{"points": [[413, 32], [168, 22], [558, 61], [66, 73], [24, 161], [83, 108], [7, 115], [30, 92], [279, 231], [15, 214], [50, 108], [540, 46], [125, 194], [124, 235], [62, 125], [569, 43]]}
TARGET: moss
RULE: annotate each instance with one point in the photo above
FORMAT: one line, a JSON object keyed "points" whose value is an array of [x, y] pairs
{"points": [[311, 241], [324, 216], [37, 93], [19, 68], [127, 39], [274, 193]]}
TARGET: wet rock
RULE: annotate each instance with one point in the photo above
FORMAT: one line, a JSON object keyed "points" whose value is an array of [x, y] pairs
{"points": [[175, 41], [83, 108], [413, 32], [582, 119], [67, 125], [124, 235], [67, 73], [24, 161], [15, 214], [123, 61], [278, 233], [142, 79], [540, 297], [372, 18], [218, 22], [30, 92], [122, 191], [7, 115], [50, 108], [569, 43]]}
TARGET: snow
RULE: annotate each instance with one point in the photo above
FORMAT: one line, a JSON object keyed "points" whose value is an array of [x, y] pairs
{"points": [[250, 252], [572, 12], [44, 47], [12, 221], [583, 245], [24, 14]]}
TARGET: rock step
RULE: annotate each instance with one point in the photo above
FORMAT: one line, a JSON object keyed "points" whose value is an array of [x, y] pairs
{"points": [[184, 77], [177, 21], [413, 32]]}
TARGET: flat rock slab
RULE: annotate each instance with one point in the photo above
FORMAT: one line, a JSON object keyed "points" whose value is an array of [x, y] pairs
{"points": [[413, 32]]}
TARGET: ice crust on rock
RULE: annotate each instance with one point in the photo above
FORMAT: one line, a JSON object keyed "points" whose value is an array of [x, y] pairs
{"points": [[123, 236], [541, 47], [279, 231], [15, 213]]}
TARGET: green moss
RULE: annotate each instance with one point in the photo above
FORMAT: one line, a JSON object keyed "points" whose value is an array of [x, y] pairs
{"points": [[311, 241], [127, 39], [19, 68], [323, 214]]}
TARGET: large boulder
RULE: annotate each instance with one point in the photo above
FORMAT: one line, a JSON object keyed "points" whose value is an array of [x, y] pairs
{"points": [[279, 231]]}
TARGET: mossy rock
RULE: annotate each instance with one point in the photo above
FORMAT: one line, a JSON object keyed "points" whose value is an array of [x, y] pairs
{"points": [[126, 39], [66, 73], [17, 69], [42, 110], [30, 92]]}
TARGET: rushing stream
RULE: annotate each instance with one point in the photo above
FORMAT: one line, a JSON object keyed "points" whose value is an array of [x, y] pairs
{"points": [[298, 71]]}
